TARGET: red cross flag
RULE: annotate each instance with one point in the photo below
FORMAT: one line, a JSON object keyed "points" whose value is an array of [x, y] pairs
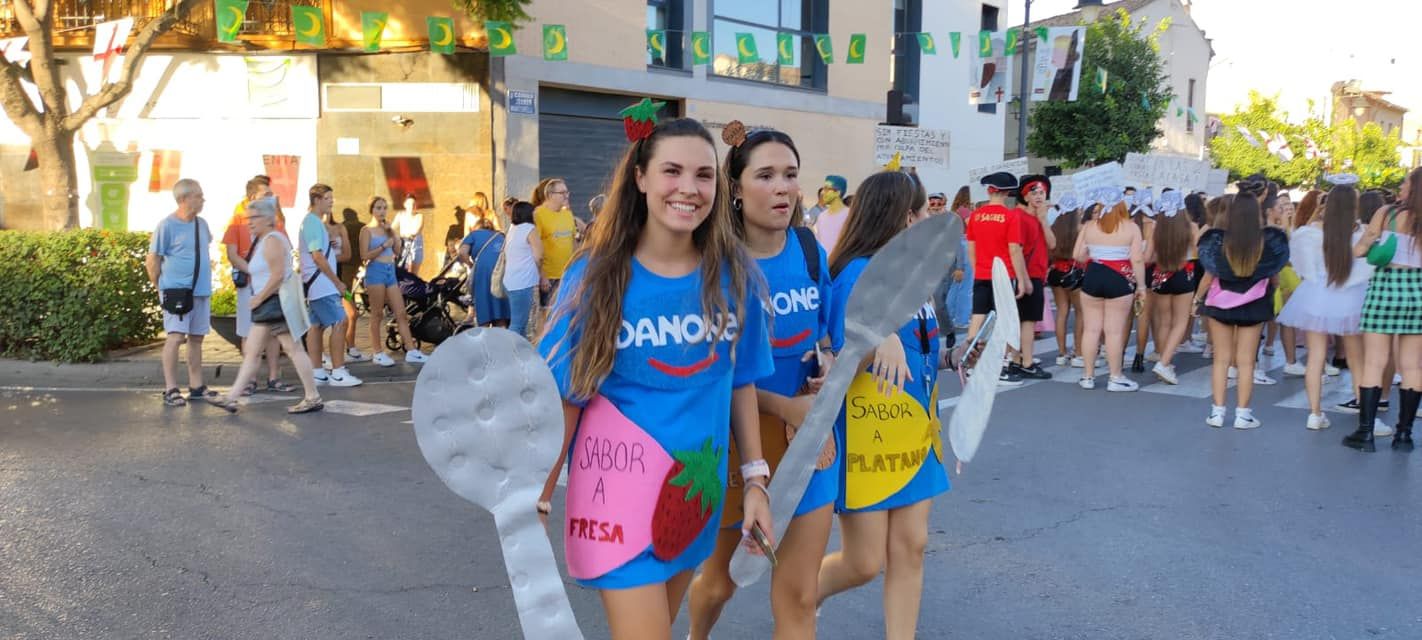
{"points": [[109, 38], [13, 50]]}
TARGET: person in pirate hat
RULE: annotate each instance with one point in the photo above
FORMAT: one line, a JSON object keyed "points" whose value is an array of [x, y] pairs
{"points": [[995, 231]]}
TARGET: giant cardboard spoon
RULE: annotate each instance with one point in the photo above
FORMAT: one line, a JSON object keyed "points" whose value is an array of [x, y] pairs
{"points": [[898, 280], [489, 421]]}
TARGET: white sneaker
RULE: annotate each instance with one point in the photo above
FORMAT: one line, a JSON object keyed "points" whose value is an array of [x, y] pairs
{"points": [[1295, 369], [1261, 379], [415, 357], [1217, 417], [1233, 373], [1246, 422], [342, 378], [1078, 362], [1152, 356], [1063, 361], [1165, 372], [1317, 422], [1086, 383], [1189, 347], [1330, 370], [1122, 384], [384, 360], [354, 355], [322, 376], [1382, 430]]}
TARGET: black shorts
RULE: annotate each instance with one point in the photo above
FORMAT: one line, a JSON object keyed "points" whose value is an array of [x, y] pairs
{"points": [[1102, 281], [1029, 307], [982, 297], [1180, 282], [1069, 280]]}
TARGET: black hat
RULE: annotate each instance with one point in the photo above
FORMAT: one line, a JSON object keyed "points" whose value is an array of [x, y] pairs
{"points": [[1026, 181], [1000, 181]]}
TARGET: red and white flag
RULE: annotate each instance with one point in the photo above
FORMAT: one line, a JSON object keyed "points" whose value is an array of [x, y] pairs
{"points": [[1280, 147], [109, 38], [13, 49]]}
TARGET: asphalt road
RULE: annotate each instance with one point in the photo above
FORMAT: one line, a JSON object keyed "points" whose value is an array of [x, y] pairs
{"points": [[1086, 515]]}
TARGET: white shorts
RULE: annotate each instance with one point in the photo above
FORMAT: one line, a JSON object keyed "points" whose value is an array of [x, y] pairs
{"points": [[193, 323], [244, 311]]}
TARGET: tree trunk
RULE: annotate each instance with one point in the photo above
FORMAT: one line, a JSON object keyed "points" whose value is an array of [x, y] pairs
{"points": [[59, 177]]}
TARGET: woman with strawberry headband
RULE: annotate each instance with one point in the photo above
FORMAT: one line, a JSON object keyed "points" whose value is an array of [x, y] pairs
{"points": [[763, 167], [656, 339], [888, 432]]}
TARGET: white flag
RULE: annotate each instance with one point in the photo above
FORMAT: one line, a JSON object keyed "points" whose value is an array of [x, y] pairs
{"points": [[13, 49], [109, 38]]}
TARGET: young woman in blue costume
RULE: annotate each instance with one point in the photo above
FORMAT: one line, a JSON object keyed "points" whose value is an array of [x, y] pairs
{"points": [[656, 339], [888, 431], [763, 168]]}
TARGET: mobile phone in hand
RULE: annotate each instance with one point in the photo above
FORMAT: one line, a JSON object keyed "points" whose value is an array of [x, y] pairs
{"points": [[762, 541], [978, 341]]}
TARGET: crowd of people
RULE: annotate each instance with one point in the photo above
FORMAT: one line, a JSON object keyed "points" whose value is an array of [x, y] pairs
{"points": [[296, 294], [703, 307]]}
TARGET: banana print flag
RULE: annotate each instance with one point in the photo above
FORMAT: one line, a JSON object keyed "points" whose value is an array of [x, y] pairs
{"points": [[657, 44], [856, 48], [701, 47], [230, 16], [1013, 35], [825, 47], [441, 33], [1101, 79], [501, 40], [372, 28], [956, 40], [926, 44], [309, 24], [555, 42], [984, 44], [745, 49], [785, 49]]}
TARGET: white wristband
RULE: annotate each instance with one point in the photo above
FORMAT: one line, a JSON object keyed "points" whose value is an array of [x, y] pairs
{"points": [[755, 468]]}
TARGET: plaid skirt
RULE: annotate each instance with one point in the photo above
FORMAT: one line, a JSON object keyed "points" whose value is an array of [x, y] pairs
{"points": [[1394, 302]]}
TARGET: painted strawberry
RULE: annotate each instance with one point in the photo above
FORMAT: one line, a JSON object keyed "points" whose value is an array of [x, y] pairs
{"points": [[691, 490], [639, 119]]}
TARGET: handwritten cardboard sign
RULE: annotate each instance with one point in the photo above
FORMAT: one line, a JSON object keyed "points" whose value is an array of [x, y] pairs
{"points": [[1015, 166], [921, 148], [1101, 175], [1161, 171]]}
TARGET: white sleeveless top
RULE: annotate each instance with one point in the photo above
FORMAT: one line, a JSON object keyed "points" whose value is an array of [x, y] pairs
{"points": [[520, 270], [258, 268]]}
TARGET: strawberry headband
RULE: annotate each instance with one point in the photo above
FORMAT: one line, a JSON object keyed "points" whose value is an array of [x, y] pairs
{"points": [[639, 119]]}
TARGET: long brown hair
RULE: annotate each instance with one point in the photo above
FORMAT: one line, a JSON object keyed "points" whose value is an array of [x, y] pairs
{"points": [[1217, 210], [1340, 219], [964, 198], [1171, 239], [595, 305], [1065, 228], [1413, 205], [1109, 220], [1307, 208], [1244, 236], [736, 163], [880, 210]]}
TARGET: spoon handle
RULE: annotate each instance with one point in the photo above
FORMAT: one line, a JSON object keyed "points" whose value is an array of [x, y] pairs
{"points": [[543, 608]]}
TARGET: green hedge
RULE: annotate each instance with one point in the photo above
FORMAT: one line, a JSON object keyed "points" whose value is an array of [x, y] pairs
{"points": [[71, 296]]}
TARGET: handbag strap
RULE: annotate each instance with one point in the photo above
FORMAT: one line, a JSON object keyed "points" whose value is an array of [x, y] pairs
{"points": [[486, 244], [197, 249]]}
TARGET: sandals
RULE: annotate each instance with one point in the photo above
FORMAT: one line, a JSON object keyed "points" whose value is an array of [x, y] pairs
{"points": [[201, 393], [250, 389], [277, 386], [174, 398], [226, 404], [307, 406]]}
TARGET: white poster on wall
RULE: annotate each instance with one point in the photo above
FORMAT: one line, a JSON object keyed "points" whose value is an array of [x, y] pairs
{"points": [[1015, 166], [1058, 71], [917, 147]]}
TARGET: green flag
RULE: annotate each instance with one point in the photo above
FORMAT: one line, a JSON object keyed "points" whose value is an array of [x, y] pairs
{"points": [[856, 48], [955, 39], [372, 28], [1042, 33], [309, 25], [745, 49], [1178, 111], [441, 34], [657, 44], [501, 40], [825, 46], [926, 44], [1013, 35], [1190, 111], [1101, 79], [785, 49], [230, 16], [1145, 102], [984, 44], [555, 42], [701, 47]]}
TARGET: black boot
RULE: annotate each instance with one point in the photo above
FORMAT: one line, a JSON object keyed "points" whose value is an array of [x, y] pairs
{"points": [[1362, 439], [1138, 364], [1402, 440]]}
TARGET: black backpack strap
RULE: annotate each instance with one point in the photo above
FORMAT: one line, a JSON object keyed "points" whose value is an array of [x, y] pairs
{"points": [[811, 248]]}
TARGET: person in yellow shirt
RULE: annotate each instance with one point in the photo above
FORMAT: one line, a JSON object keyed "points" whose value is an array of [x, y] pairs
{"points": [[557, 228]]}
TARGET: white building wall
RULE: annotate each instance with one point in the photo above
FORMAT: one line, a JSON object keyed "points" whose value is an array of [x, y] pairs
{"points": [[976, 138], [1185, 54]]}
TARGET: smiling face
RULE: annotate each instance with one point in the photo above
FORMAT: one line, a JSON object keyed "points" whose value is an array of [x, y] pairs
{"points": [[679, 184], [769, 186]]}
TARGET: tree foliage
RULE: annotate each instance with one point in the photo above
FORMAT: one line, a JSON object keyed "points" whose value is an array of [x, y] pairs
{"points": [[1342, 147], [1102, 127], [512, 11]]}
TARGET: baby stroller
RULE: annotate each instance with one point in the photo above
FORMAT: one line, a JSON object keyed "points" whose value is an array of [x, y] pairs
{"points": [[430, 306]]}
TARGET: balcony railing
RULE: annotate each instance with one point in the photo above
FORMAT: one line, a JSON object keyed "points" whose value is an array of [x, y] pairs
{"points": [[264, 19]]}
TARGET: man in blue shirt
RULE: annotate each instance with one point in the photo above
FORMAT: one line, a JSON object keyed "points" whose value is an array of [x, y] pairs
{"points": [[179, 243], [324, 289]]}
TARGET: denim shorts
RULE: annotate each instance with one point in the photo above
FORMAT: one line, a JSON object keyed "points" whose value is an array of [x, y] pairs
{"points": [[327, 311], [379, 274]]}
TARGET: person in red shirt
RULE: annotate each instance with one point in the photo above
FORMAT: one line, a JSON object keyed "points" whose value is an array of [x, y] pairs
{"points": [[1037, 243], [994, 231]]}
